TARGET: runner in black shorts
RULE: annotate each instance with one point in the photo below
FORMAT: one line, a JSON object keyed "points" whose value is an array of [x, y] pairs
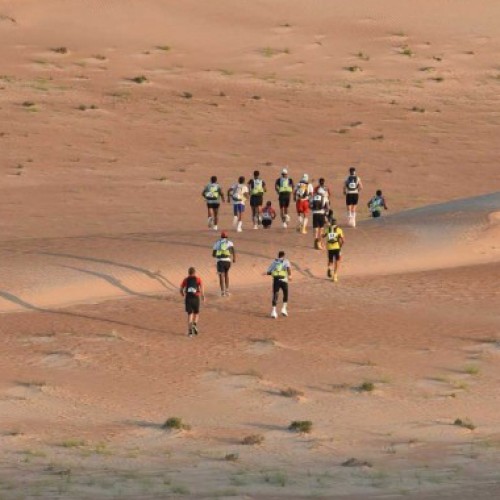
{"points": [[352, 187], [284, 188], [224, 252], [318, 204], [257, 188], [191, 289]]}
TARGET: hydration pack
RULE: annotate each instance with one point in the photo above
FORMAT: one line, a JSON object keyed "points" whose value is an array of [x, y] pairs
{"points": [[192, 287], [258, 187], [237, 193], [212, 192], [352, 183], [317, 202]]}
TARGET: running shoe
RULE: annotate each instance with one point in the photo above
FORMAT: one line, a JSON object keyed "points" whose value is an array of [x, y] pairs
{"points": [[227, 293], [256, 226], [274, 314], [284, 312], [195, 329], [329, 273], [285, 225], [210, 222], [335, 277], [215, 228]]}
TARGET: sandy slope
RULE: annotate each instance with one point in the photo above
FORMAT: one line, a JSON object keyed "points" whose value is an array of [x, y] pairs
{"points": [[100, 200]]}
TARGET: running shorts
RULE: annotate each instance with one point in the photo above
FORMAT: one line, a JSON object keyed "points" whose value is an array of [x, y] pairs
{"points": [[256, 200], [267, 222], [376, 213], [302, 206], [238, 208], [215, 206], [192, 304], [351, 198], [318, 221], [223, 266], [284, 200], [333, 255]]}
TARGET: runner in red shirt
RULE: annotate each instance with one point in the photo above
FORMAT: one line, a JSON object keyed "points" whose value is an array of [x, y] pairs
{"points": [[192, 289]]}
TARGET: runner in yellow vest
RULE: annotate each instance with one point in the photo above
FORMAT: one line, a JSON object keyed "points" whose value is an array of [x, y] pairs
{"points": [[334, 237]]}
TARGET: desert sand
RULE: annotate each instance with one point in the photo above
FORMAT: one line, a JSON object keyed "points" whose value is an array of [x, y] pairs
{"points": [[114, 116]]}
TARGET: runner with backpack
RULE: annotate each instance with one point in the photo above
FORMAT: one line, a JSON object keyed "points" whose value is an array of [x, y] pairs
{"points": [[213, 195], [377, 203], [191, 289], [238, 194], [334, 241], [318, 207], [284, 188], [224, 252], [281, 271], [352, 187], [268, 215], [303, 190], [257, 188]]}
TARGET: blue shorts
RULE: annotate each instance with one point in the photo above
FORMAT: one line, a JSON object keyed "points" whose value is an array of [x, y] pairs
{"points": [[238, 208]]}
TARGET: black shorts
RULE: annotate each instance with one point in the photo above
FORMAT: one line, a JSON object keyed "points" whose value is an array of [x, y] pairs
{"points": [[223, 266], [318, 221], [333, 255], [256, 200], [192, 304], [351, 198], [267, 222], [284, 200], [215, 206], [376, 214]]}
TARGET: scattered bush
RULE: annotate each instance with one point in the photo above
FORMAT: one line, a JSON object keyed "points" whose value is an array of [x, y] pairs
{"points": [[353, 69], [363, 56], [416, 109], [60, 50], [302, 426], [232, 457], [406, 51], [253, 439], [187, 95], [175, 423], [28, 104], [165, 48], [73, 443], [466, 424], [471, 370], [366, 387], [290, 392], [139, 79], [354, 462]]}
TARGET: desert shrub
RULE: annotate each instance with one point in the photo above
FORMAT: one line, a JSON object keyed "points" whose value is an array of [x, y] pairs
{"points": [[290, 392], [253, 439], [175, 423], [302, 426]]}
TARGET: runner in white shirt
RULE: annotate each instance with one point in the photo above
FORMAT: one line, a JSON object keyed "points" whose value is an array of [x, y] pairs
{"points": [[238, 194], [302, 193]]}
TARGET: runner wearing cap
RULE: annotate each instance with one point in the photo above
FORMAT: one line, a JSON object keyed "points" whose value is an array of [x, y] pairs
{"points": [[303, 190], [224, 252], [284, 188]]}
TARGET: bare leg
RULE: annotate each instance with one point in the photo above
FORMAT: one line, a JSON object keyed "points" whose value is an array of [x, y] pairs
{"points": [[226, 280], [221, 282]]}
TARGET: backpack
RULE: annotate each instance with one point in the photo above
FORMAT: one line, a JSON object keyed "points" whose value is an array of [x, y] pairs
{"points": [[332, 235], [258, 187], [211, 192], [302, 190], [317, 202], [352, 182], [237, 193]]}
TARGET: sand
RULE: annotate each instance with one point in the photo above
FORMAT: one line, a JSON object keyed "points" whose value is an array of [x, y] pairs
{"points": [[101, 216]]}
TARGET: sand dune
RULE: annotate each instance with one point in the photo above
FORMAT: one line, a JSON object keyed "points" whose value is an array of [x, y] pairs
{"points": [[114, 115]]}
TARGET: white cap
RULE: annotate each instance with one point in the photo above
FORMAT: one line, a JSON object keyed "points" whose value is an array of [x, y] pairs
{"points": [[305, 177], [284, 171]]}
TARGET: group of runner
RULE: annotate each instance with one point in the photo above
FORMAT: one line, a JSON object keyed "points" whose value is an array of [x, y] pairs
{"points": [[308, 199]]}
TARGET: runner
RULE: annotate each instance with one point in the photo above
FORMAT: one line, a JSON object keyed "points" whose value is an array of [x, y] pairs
{"points": [[352, 187], [377, 203], [238, 194], [257, 189], [325, 191], [284, 188], [268, 215], [303, 190], [191, 289], [224, 252], [318, 206], [334, 242], [213, 195], [281, 272]]}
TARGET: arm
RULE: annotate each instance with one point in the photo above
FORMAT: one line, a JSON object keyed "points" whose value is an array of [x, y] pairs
{"points": [[221, 193], [229, 193], [360, 184], [277, 186], [214, 253], [233, 253], [385, 205], [289, 272], [202, 291], [264, 187]]}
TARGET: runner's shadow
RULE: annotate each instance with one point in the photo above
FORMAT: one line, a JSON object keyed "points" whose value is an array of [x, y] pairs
{"points": [[155, 276], [31, 307]]}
